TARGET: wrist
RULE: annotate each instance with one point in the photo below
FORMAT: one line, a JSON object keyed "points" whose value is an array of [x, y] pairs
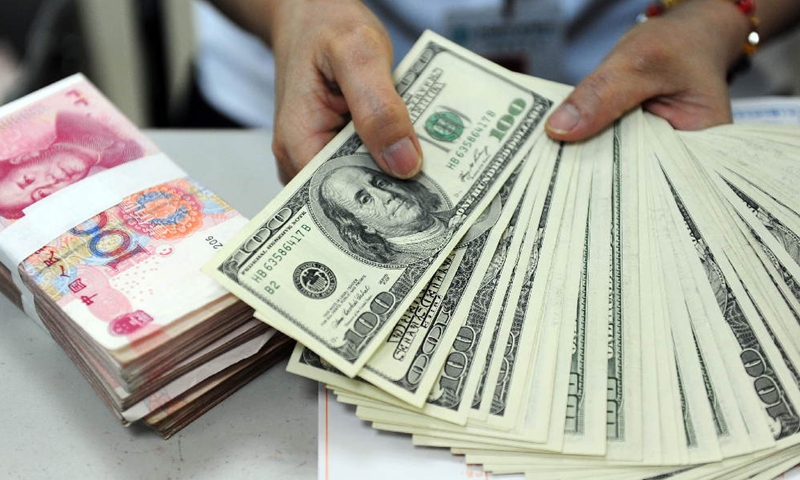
{"points": [[729, 27], [748, 9]]}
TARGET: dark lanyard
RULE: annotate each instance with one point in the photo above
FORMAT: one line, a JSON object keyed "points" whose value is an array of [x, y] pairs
{"points": [[508, 8]]}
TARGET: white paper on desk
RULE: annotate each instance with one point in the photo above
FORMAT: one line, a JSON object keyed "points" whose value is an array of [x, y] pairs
{"points": [[350, 449], [785, 110]]}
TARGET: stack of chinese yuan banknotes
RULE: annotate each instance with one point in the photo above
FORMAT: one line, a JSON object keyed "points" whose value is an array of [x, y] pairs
{"points": [[102, 238], [623, 307]]}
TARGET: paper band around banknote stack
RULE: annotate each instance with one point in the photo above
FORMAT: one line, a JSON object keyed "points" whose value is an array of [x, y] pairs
{"points": [[57, 213], [101, 239]]}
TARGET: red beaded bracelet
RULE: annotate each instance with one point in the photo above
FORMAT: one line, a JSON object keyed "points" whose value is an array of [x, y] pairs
{"points": [[656, 9], [747, 7]]}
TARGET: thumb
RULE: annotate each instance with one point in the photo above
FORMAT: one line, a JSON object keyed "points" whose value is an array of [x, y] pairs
{"points": [[362, 70], [598, 100]]}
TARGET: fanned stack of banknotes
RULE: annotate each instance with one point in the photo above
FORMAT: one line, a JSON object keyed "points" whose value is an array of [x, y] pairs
{"points": [[623, 307], [102, 239]]}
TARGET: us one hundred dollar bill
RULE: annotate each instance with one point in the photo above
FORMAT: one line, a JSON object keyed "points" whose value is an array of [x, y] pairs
{"points": [[339, 256], [650, 317]]}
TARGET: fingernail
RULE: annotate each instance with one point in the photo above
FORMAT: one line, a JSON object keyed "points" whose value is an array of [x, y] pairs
{"points": [[401, 157], [564, 119]]}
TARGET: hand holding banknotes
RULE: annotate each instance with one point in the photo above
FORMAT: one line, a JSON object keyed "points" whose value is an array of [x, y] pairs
{"points": [[334, 60], [675, 65], [627, 301], [654, 65]]}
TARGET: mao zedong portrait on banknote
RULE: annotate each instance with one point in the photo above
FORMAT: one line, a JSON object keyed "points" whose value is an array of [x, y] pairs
{"points": [[378, 218], [81, 146]]}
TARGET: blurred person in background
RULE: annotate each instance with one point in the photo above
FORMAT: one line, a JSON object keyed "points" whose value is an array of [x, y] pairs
{"points": [[328, 62]]}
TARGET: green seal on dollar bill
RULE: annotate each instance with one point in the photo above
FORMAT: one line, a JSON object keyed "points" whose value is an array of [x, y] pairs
{"points": [[444, 126]]}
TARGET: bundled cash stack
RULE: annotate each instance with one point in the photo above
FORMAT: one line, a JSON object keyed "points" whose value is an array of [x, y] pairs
{"points": [[102, 238], [624, 307]]}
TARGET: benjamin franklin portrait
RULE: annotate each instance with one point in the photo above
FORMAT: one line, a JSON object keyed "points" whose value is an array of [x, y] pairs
{"points": [[377, 217]]}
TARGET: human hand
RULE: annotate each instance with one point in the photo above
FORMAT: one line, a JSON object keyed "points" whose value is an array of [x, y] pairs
{"points": [[333, 61], [674, 65]]}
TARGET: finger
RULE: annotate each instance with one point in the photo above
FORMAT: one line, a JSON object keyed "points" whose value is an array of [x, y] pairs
{"points": [[602, 97], [307, 117], [361, 63], [705, 111], [283, 175], [294, 143]]}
